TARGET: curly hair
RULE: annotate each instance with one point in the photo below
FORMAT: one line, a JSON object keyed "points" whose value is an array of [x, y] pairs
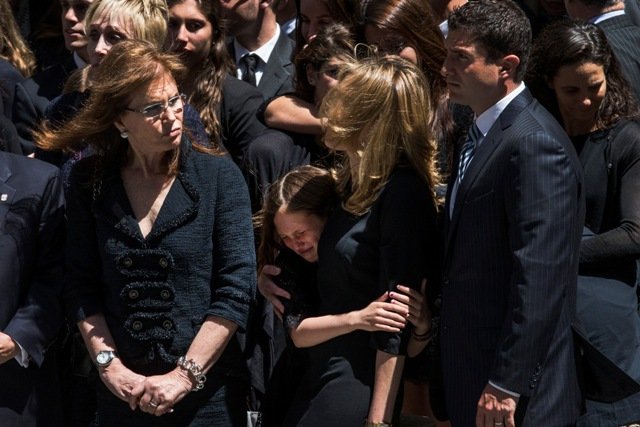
{"points": [[569, 42]]}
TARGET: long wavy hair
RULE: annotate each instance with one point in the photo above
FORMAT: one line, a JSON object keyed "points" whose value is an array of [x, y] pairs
{"points": [[13, 48], [569, 42], [207, 94], [130, 66], [414, 21], [381, 109], [306, 189]]}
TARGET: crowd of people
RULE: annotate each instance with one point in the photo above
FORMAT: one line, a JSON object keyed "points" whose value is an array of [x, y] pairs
{"points": [[278, 213]]}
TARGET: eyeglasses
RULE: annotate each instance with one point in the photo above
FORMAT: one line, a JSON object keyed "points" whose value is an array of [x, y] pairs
{"points": [[153, 111]]}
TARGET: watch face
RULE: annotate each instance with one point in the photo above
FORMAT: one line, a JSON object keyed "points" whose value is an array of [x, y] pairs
{"points": [[104, 357]]}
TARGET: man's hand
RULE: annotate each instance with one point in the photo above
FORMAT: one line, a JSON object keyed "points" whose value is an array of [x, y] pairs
{"points": [[8, 348], [496, 408]]}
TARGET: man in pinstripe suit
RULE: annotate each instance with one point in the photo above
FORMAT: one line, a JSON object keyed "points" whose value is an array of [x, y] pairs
{"points": [[622, 34], [514, 216]]}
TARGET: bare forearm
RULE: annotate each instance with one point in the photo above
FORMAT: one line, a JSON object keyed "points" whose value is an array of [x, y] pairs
{"points": [[210, 341], [293, 114], [316, 330], [385, 389], [96, 334]]}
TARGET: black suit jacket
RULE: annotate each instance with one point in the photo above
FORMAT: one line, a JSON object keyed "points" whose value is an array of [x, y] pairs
{"points": [[278, 74], [510, 269], [624, 37], [9, 77], [31, 248]]}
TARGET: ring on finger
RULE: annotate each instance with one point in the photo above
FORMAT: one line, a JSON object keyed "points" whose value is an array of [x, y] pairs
{"points": [[153, 404]]}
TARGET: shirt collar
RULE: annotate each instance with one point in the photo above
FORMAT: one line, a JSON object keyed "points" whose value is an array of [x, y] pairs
{"points": [[598, 19], [78, 61], [485, 120], [264, 52]]}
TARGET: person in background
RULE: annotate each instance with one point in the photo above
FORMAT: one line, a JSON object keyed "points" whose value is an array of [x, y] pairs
{"points": [[161, 273], [574, 73], [31, 281]]}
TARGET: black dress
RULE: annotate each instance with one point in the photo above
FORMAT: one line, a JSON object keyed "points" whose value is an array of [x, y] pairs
{"points": [[361, 257]]}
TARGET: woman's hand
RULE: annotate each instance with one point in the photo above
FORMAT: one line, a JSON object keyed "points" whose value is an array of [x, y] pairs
{"points": [[270, 290], [382, 316], [157, 395], [419, 314], [119, 379]]}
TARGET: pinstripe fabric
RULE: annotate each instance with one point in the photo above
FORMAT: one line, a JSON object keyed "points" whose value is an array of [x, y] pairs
{"points": [[510, 271], [624, 38], [466, 153]]}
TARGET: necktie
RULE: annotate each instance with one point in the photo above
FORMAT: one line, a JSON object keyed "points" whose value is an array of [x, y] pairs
{"points": [[248, 65], [468, 149]]}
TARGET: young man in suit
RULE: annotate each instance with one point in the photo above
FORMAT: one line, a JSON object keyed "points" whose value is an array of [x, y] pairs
{"points": [[31, 248], [514, 215], [622, 34], [260, 49]]}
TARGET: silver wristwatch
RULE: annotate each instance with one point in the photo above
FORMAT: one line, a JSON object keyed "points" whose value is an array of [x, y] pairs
{"points": [[104, 358]]}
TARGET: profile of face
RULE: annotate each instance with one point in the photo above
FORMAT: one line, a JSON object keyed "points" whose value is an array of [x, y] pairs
{"points": [[72, 16], [153, 117], [580, 89], [471, 78], [389, 43], [314, 15], [103, 32], [190, 32], [324, 78], [299, 231]]}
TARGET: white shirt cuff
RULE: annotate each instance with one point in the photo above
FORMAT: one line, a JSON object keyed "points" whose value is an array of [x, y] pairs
{"points": [[504, 390], [23, 357]]}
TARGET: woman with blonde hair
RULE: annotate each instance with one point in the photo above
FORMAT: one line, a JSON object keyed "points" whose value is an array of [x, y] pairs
{"points": [[384, 233], [161, 273]]}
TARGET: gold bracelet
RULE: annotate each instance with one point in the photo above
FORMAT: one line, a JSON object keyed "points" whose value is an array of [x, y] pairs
{"points": [[368, 423]]}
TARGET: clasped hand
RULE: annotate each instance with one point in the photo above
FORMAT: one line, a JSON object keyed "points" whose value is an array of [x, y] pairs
{"points": [[156, 395]]}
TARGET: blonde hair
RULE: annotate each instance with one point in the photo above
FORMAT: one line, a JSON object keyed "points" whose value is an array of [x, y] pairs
{"points": [[131, 65], [13, 48], [381, 110], [147, 18]]}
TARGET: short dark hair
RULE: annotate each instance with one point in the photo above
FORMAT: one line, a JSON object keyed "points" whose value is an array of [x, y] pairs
{"points": [[498, 26], [569, 42]]}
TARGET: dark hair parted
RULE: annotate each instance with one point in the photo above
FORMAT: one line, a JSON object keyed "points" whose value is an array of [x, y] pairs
{"points": [[500, 27], [333, 41], [130, 66], [206, 95], [306, 189], [414, 22], [569, 42]]}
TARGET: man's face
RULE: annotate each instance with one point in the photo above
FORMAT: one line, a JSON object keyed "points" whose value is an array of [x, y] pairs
{"points": [[239, 13], [471, 79], [73, 23]]}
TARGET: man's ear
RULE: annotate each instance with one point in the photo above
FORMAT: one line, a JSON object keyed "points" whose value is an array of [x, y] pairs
{"points": [[312, 74], [508, 66]]}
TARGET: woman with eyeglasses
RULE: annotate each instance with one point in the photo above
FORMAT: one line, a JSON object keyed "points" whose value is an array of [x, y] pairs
{"points": [[161, 271]]}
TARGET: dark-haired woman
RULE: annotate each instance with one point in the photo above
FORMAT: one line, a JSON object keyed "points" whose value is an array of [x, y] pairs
{"points": [[575, 74]]}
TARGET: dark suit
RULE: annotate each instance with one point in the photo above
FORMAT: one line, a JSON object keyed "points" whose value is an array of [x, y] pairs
{"points": [[510, 268], [624, 38], [277, 78], [9, 77], [31, 248]]}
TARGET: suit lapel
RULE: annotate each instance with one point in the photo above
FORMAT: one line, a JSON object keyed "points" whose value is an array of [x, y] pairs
{"points": [[480, 160], [275, 73]]}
